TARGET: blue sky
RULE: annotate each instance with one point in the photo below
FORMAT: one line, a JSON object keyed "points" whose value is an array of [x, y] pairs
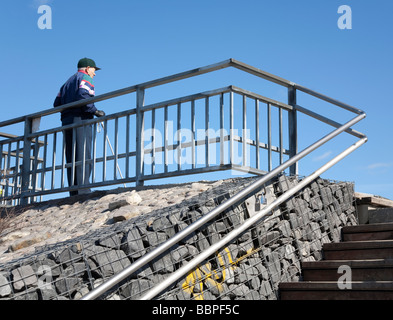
{"points": [[137, 41]]}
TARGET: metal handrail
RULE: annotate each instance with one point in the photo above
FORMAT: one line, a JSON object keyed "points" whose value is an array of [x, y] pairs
{"points": [[23, 178], [222, 207], [246, 225]]}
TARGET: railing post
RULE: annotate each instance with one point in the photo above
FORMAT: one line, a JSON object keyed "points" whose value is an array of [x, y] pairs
{"points": [[26, 162], [140, 123], [292, 129]]}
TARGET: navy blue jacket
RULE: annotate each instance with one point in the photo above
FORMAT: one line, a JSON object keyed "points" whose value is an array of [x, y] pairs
{"points": [[77, 87]]}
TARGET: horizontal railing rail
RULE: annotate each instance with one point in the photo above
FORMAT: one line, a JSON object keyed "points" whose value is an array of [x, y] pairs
{"points": [[181, 76]]}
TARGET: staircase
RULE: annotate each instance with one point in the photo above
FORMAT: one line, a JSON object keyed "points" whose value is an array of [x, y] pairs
{"points": [[365, 253]]}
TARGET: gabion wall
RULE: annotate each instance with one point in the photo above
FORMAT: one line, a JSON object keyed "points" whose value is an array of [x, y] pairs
{"points": [[249, 268]]}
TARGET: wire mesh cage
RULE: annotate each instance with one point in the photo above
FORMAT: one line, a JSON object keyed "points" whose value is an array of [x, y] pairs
{"points": [[247, 268]]}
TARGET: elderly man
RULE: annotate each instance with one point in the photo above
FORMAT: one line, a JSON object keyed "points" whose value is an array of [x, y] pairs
{"points": [[78, 87]]}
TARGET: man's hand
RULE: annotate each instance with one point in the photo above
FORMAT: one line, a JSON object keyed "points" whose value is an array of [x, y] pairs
{"points": [[99, 113]]}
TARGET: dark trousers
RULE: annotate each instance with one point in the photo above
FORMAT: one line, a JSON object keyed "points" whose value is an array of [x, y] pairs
{"points": [[83, 145]]}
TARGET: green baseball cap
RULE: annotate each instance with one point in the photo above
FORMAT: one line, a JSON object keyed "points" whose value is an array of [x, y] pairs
{"points": [[86, 62]]}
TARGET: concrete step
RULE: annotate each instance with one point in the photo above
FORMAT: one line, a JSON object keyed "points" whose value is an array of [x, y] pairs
{"points": [[329, 290], [361, 270], [358, 250], [367, 250], [377, 231]]}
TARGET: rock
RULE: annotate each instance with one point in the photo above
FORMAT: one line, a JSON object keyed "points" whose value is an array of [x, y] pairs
{"points": [[108, 262], [29, 241], [48, 292], [269, 237], [163, 224], [23, 277], [69, 256], [214, 287], [15, 235], [155, 238], [285, 228], [84, 290], [132, 243], [125, 213], [67, 286], [29, 295], [266, 289], [239, 290], [199, 186], [180, 253], [46, 267], [135, 288], [133, 199], [5, 288], [163, 264], [113, 242]]}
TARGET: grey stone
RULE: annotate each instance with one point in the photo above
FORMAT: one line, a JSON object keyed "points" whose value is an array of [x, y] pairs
{"points": [[47, 292], [113, 242], [245, 248], [191, 238], [202, 243], [215, 288], [26, 295], [313, 231], [155, 238], [293, 219], [212, 235], [132, 243], [239, 290], [135, 288], [306, 194], [67, 286], [192, 250], [284, 184], [5, 287], [303, 248], [285, 228], [126, 213], [262, 271], [316, 203], [24, 277], [163, 264], [132, 199], [75, 270], [220, 227], [314, 188], [68, 256], [163, 224], [180, 253], [46, 266], [81, 292], [252, 295], [107, 261], [184, 295], [270, 237], [274, 266], [290, 253]]}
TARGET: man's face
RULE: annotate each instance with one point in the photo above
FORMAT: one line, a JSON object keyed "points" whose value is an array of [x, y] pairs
{"points": [[91, 71]]}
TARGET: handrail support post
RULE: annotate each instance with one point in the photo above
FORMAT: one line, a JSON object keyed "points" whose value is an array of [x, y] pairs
{"points": [[292, 129], [140, 123], [26, 161]]}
